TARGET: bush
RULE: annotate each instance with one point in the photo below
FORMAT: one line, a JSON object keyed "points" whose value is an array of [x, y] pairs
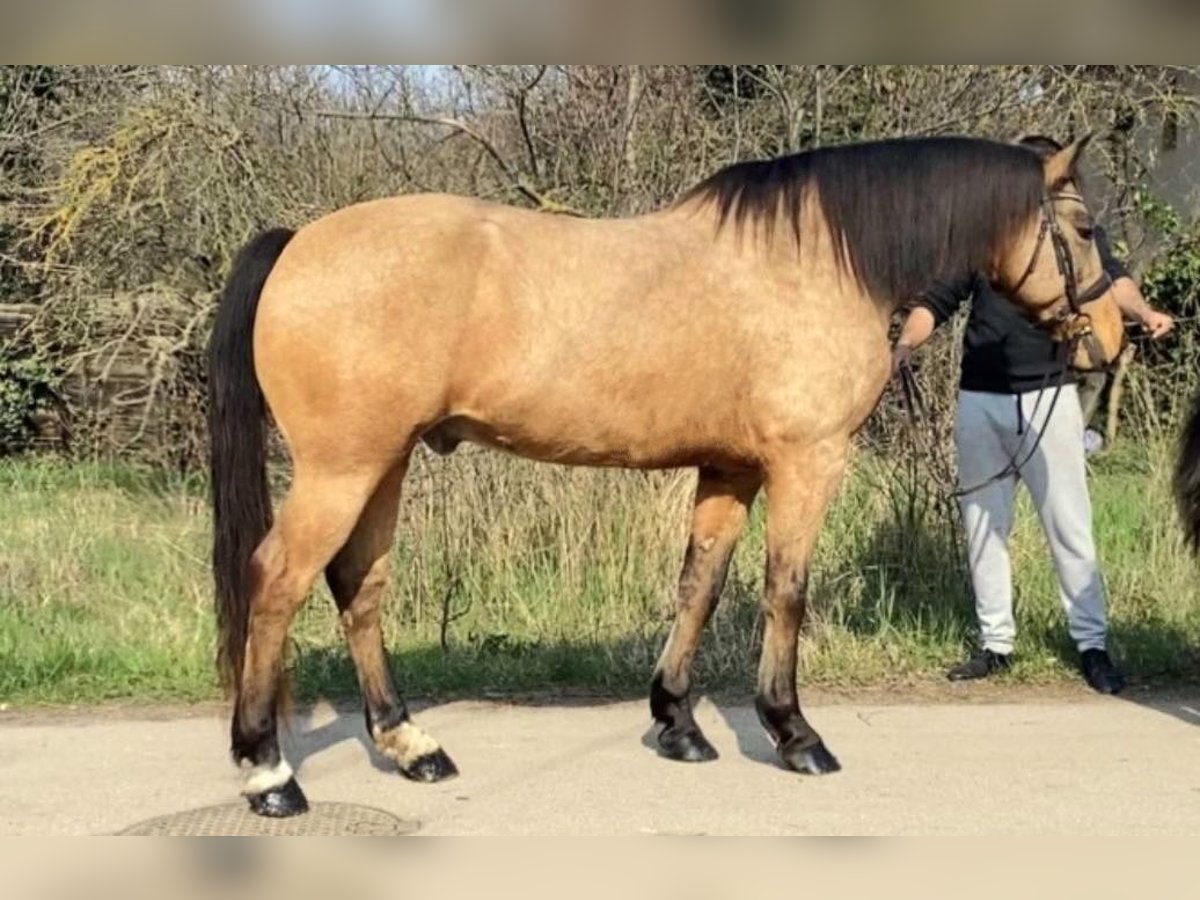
{"points": [[26, 390]]}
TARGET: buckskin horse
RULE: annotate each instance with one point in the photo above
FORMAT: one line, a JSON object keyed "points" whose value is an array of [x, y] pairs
{"points": [[741, 330]]}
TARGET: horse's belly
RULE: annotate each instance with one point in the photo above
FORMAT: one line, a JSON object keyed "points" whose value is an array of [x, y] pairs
{"points": [[587, 445]]}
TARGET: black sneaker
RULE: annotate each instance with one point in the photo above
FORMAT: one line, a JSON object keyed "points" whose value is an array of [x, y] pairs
{"points": [[980, 665], [1100, 672]]}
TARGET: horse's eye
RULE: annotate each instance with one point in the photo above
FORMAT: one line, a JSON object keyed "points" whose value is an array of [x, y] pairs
{"points": [[1086, 233]]}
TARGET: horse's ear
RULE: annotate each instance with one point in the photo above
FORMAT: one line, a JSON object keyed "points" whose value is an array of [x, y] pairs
{"points": [[1063, 165]]}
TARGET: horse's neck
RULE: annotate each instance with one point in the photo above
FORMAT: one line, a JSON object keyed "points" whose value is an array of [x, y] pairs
{"points": [[803, 272]]}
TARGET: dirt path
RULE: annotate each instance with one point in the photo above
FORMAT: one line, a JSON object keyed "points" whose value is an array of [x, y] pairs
{"points": [[1059, 762]]}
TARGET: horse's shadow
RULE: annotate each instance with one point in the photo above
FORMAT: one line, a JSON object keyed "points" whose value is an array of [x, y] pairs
{"points": [[741, 720], [317, 724], [751, 737], [303, 738]]}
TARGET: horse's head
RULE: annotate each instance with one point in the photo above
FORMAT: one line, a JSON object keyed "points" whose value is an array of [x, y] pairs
{"points": [[1054, 271]]}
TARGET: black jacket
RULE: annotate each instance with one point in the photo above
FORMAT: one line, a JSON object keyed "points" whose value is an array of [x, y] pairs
{"points": [[1003, 352]]}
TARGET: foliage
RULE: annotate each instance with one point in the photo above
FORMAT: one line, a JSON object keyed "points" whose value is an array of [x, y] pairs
{"points": [[143, 181], [26, 389], [1170, 281], [1169, 371]]}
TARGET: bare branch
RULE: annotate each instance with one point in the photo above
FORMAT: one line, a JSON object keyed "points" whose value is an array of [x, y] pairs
{"points": [[517, 180], [522, 100]]}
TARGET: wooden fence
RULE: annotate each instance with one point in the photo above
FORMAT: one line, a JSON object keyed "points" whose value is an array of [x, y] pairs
{"points": [[109, 388]]}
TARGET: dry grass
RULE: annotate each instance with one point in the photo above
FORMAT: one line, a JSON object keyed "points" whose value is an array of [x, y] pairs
{"points": [[512, 577]]}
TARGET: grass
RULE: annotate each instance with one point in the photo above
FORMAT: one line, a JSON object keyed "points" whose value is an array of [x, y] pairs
{"points": [[511, 577]]}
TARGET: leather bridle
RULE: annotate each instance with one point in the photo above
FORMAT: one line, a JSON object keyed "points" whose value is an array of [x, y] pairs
{"points": [[1074, 321]]}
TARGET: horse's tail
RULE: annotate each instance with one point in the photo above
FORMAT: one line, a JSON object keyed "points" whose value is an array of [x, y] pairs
{"points": [[1187, 476], [241, 502]]}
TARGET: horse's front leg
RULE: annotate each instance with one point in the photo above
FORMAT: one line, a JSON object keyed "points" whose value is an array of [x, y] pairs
{"points": [[722, 504], [799, 486]]}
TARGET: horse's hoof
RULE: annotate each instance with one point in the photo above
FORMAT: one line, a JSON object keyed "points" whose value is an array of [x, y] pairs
{"points": [[280, 802], [430, 768], [686, 746], [813, 760]]}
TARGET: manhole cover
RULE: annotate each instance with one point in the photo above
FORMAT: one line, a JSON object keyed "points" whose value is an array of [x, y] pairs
{"points": [[235, 819]]}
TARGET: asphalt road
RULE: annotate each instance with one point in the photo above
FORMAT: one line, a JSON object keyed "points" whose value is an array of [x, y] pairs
{"points": [[1070, 764]]}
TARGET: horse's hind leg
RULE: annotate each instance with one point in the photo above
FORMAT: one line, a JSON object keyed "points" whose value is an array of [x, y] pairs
{"points": [[722, 505], [799, 487], [314, 521], [357, 577]]}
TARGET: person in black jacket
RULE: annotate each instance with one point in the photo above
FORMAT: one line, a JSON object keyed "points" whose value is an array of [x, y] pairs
{"points": [[1010, 368]]}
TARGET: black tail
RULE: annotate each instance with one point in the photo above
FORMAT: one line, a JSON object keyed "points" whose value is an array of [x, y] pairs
{"points": [[1187, 476], [237, 429]]}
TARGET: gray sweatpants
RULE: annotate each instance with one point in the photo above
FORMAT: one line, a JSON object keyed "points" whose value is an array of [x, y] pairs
{"points": [[988, 430]]}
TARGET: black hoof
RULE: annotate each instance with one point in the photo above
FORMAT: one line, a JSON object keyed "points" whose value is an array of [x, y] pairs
{"points": [[280, 802], [686, 746], [813, 760], [431, 768]]}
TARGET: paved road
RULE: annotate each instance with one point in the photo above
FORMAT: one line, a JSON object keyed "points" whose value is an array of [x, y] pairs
{"points": [[1074, 764]]}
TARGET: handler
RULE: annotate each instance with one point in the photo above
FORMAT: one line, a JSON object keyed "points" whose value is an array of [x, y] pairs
{"points": [[1009, 369]]}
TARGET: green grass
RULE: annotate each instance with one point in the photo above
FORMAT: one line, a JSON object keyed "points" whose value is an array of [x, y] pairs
{"points": [[549, 579]]}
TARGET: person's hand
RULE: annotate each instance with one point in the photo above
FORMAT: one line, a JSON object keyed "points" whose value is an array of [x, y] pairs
{"points": [[1157, 324], [901, 354]]}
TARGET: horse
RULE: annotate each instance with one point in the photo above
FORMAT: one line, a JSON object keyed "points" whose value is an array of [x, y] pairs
{"points": [[740, 330], [1185, 481]]}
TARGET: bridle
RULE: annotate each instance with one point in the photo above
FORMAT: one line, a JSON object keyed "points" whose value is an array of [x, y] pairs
{"points": [[1074, 321], [1072, 318]]}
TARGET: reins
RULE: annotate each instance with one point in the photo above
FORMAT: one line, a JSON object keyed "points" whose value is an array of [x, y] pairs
{"points": [[915, 407]]}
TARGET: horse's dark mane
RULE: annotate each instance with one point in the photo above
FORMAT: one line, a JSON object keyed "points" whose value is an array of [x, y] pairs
{"points": [[904, 211]]}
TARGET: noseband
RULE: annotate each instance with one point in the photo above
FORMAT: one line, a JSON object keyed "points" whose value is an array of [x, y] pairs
{"points": [[1076, 323]]}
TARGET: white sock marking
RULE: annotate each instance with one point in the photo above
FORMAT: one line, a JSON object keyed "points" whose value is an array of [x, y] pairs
{"points": [[261, 779], [406, 744]]}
